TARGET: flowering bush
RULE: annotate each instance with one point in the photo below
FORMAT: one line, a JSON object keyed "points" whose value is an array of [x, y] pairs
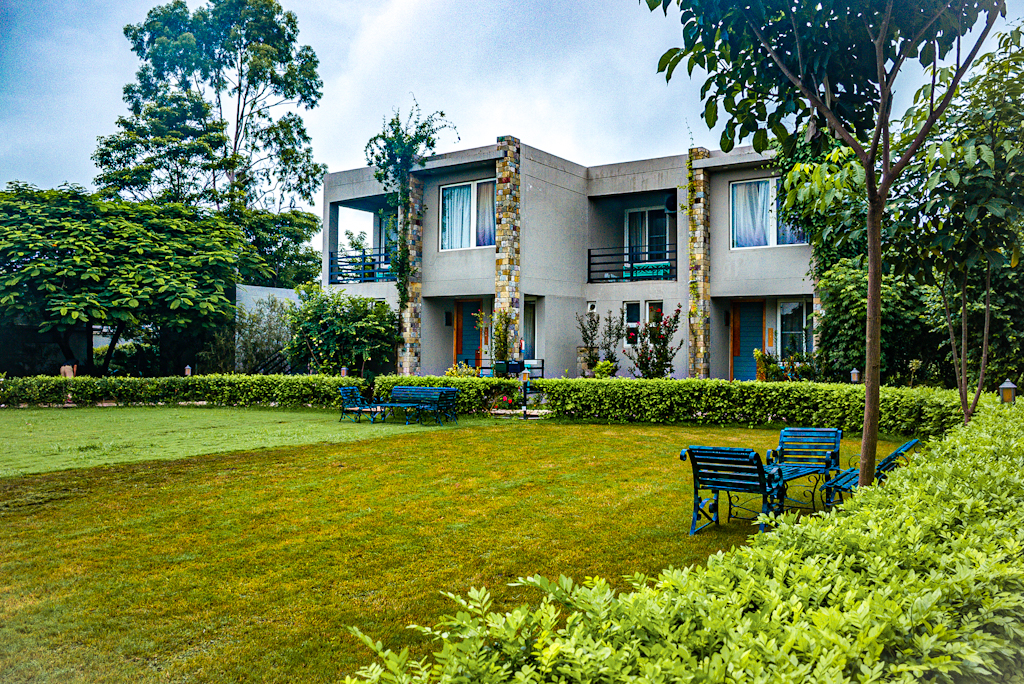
{"points": [[653, 352]]}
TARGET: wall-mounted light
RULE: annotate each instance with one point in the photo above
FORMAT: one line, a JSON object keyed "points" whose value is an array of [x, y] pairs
{"points": [[855, 376], [1007, 392]]}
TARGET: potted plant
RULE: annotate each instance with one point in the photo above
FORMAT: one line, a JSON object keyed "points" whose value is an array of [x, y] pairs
{"points": [[501, 347]]}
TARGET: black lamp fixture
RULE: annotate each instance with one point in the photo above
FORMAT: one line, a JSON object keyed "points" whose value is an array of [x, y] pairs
{"points": [[1007, 392]]}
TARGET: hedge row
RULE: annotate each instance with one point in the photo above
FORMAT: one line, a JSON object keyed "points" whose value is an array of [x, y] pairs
{"points": [[922, 412], [224, 390], [921, 579], [476, 395]]}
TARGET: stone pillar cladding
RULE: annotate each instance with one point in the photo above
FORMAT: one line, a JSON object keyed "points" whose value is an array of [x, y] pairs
{"points": [[699, 215], [506, 234], [410, 358]]}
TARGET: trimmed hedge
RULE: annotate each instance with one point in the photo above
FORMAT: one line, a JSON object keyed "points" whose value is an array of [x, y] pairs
{"points": [[224, 390], [920, 411], [919, 579], [476, 395]]}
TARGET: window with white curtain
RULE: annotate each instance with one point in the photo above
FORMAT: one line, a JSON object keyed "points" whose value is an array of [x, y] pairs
{"points": [[467, 215], [646, 234], [755, 211], [796, 329]]}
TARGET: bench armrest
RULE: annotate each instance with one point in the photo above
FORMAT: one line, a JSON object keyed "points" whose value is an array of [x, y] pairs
{"points": [[771, 456]]}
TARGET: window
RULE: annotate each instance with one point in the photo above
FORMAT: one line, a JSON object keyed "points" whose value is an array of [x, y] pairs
{"points": [[796, 332], [655, 312], [632, 322], [755, 210], [467, 215], [646, 235]]}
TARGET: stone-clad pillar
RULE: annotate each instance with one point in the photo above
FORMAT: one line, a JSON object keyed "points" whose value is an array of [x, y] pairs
{"points": [[699, 210], [410, 357], [507, 227]]}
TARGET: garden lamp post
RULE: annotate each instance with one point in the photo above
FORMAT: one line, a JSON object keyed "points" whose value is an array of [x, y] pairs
{"points": [[1007, 392], [855, 376], [188, 371], [525, 377]]}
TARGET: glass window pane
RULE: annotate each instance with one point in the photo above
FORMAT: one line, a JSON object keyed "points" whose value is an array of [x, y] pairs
{"points": [[786, 234], [456, 217], [750, 214], [657, 234], [632, 321], [654, 312], [635, 236], [791, 323], [485, 201]]}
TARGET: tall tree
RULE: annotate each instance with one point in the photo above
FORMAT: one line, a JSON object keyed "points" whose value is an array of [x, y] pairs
{"points": [[242, 59], [68, 259], [833, 65]]}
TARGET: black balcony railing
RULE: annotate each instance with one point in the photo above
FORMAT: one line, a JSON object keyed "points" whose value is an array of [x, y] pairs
{"points": [[360, 266], [623, 265]]}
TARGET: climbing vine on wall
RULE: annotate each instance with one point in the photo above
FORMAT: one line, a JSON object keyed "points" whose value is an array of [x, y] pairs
{"points": [[393, 153]]}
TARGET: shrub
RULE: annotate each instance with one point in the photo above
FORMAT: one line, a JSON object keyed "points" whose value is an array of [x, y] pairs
{"points": [[476, 395], [920, 579], [652, 353], [224, 390], [921, 411]]}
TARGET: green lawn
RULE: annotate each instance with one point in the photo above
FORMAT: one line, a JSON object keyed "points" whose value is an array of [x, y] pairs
{"points": [[44, 440], [249, 566]]}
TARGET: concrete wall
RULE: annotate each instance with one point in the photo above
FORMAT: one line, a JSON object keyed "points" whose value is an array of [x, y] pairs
{"points": [[557, 336], [450, 273], [754, 271], [248, 295]]}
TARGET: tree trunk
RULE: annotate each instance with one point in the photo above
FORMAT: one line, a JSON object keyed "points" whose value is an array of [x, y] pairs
{"points": [[873, 354], [115, 338]]}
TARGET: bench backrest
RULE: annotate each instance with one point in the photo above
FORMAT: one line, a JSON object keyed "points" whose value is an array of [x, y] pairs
{"points": [[809, 446], [405, 394], [727, 469], [350, 396], [891, 461]]}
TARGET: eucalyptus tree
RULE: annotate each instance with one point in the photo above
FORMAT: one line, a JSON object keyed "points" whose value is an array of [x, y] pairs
{"points": [[781, 65]]}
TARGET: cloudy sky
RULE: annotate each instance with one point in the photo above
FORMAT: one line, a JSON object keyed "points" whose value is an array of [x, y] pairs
{"points": [[576, 79]]}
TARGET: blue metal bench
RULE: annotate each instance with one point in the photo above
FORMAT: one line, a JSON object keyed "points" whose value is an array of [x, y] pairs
{"points": [[730, 470], [419, 400], [353, 405], [807, 452], [846, 481]]}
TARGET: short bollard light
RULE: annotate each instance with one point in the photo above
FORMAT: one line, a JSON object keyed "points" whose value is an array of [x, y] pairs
{"points": [[188, 371], [1007, 392], [344, 371], [855, 376], [525, 377]]}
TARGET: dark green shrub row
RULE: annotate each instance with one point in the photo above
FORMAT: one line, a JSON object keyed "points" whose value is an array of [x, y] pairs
{"points": [[225, 390], [922, 412], [921, 579], [476, 395]]}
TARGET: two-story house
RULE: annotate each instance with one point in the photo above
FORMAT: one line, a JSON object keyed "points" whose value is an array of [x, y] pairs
{"points": [[509, 226]]}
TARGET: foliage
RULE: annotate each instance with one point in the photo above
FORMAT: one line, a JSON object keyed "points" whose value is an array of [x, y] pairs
{"points": [[612, 334], [332, 330], [393, 153], [227, 66], [604, 369], [588, 325], [222, 390], [280, 240], [856, 594], [461, 370], [906, 332], [778, 63], [476, 395], [652, 353], [172, 150], [502, 346], [70, 258], [768, 367], [921, 411]]}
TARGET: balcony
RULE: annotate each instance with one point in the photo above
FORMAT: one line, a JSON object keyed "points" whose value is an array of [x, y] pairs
{"points": [[627, 265], [360, 266]]}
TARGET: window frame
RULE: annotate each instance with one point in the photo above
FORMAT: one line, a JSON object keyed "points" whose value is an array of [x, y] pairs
{"points": [[472, 213], [646, 237], [808, 323], [773, 216], [633, 326]]}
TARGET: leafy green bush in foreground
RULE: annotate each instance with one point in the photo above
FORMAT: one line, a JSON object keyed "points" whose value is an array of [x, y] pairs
{"points": [[922, 578]]}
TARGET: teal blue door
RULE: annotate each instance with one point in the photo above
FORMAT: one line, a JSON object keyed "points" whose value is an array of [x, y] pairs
{"points": [[747, 335]]}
